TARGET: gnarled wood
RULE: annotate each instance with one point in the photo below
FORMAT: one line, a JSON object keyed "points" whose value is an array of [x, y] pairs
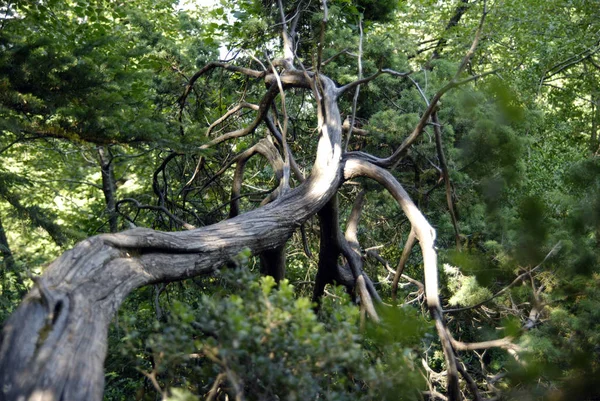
{"points": [[53, 347], [426, 236]]}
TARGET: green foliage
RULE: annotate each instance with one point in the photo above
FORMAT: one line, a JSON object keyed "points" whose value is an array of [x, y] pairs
{"points": [[266, 342], [465, 289]]}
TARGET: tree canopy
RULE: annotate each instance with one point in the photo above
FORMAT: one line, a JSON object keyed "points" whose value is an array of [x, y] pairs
{"points": [[223, 201]]}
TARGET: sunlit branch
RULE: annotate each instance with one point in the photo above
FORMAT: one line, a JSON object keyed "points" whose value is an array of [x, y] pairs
{"points": [[365, 299], [426, 236], [356, 130], [505, 343]]}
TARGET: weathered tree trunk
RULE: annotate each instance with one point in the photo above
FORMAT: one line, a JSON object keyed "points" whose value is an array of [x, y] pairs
{"points": [[53, 347]]}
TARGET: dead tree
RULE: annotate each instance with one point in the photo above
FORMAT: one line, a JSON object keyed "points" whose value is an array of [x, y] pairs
{"points": [[54, 345]]}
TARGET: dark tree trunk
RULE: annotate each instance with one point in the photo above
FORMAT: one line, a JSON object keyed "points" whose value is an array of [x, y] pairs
{"points": [[273, 263], [328, 249], [109, 187], [595, 121], [7, 256]]}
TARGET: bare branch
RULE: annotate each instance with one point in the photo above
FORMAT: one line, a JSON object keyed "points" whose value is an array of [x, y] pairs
{"points": [[423, 230], [458, 13], [446, 175], [357, 131], [229, 113], [307, 251], [330, 59], [262, 111], [293, 165], [266, 148], [471, 51], [89, 282], [288, 41], [217, 64], [408, 246], [352, 225], [286, 152], [365, 299], [162, 209], [395, 158], [322, 37], [342, 89], [470, 382], [505, 343], [571, 61], [357, 92]]}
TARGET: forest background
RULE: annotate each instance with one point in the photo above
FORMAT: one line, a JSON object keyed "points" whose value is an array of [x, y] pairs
{"points": [[111, 120]]}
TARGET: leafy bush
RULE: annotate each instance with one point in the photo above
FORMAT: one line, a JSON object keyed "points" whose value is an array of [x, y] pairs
{"points": [[262, 341]]}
